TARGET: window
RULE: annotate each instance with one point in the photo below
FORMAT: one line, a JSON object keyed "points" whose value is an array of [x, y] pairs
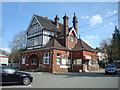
{"points": [[46, 58], [65, 61], [77, 62], [65, 55], [23, 59], [58, 59], [71, 38], [40, 39], [34, 61], [93, 62], [36, 40], [68, 61]]}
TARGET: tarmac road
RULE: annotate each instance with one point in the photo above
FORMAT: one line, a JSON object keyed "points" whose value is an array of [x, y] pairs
{"points": [[70, 80]]}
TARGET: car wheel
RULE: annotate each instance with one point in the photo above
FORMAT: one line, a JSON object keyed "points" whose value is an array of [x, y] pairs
{"points": [[116, 72], [106, 72], [26, 81]]}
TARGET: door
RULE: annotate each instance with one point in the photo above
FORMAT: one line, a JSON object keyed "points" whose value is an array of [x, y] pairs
{"points": [[86, 65]]}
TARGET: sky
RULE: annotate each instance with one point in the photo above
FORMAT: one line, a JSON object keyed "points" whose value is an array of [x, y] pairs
{"points": [[96, 20]]}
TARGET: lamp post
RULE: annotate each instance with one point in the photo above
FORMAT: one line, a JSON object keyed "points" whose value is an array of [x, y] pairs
{"points": [[11, 61], [105, 57]]}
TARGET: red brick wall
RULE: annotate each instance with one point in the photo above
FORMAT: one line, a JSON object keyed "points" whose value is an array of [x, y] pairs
{"points": [[93, 54], [76, 68], [70, 43], [77, 55], [94, 57], [39, 54], [55, 67]]}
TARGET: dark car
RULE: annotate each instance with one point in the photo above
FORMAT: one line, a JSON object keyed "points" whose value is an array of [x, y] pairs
{"points": [[12, 76], [110, 68]]}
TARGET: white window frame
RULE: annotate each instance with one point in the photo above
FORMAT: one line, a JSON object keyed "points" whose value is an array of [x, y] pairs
{"points": [[35, 62], [46, 56], [71, 38], [23, 59], [58, 63], [75, 62]]}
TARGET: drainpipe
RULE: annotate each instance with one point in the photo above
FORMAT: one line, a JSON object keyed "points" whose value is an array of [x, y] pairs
{"points": [[50, 60], [71, 61], [39, 61]]}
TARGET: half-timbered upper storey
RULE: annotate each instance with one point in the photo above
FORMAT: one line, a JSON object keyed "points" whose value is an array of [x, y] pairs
{"points": [[38, 32]]}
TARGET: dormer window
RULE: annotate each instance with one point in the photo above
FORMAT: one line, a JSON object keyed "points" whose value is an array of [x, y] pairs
{"points": [[71, 38]]}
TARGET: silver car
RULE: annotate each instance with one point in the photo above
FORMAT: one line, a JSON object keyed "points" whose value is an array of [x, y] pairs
{"points": [[110, 68]]}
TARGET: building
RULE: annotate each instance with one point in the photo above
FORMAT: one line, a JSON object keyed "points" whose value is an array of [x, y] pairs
{"points": [[102, 59], [3, 60], [55, 47], [101, 56]]}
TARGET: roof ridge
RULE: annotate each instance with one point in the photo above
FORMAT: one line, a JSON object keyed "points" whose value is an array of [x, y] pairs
{"points": [[49, 19], [42, 17]]}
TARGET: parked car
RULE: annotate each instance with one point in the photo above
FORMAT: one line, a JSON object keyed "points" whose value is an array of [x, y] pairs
{"points": [[110, 68], [12, 76]]}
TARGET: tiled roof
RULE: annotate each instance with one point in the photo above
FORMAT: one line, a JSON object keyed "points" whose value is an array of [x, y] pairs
{"points": [[83, 45], [53, 43], [49, 24]]}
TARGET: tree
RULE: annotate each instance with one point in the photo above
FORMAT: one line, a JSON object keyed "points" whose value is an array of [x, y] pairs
{"points": [[17, 44], [112, 46], [19, 41], [14, 56], [115, 44]]}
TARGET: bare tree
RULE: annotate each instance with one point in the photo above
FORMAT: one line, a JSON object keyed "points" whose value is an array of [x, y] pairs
{"points": [[17, 44], [19, 41]]}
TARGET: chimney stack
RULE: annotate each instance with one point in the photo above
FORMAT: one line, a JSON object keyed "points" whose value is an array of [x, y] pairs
{"points": [[57, 21], [65, 23], [75, 23]]}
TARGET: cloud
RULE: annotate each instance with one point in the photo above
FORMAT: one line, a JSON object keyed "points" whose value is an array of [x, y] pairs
{"points": [[95, 20], [110, 23], [110, 13], [6, 49], [84, 17], [91, 36]]}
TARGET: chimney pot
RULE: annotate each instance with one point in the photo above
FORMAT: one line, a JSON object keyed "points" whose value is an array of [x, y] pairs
{"points": [[57, 21]]}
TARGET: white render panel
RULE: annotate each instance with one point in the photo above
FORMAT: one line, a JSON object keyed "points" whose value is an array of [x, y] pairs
{"points": [[45, 39], [3, 60], [64, 66]]}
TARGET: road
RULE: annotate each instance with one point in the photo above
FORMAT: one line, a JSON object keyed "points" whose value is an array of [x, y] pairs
{"points": [[70, 80]]}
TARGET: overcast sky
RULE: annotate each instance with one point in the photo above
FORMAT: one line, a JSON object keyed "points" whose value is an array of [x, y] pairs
{"points": [[96, 19]]}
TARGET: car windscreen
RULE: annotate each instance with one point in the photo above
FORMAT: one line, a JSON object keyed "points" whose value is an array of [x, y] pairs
{"points": [[8, 70], [110, 66]]}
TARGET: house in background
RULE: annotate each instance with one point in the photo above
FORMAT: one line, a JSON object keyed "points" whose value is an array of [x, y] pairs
{"points": [[4, 59], [102, 59], [55, 47]]}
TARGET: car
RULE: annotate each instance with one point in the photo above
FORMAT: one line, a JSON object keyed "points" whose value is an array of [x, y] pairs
{"points": [[110, 68], [12, 76]]}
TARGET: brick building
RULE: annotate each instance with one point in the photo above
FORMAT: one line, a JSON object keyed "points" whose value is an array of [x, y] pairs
{"points": [[55, 47]]}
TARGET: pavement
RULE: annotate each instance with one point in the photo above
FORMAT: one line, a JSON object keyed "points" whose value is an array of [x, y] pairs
{"points": [[98, 71]]}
